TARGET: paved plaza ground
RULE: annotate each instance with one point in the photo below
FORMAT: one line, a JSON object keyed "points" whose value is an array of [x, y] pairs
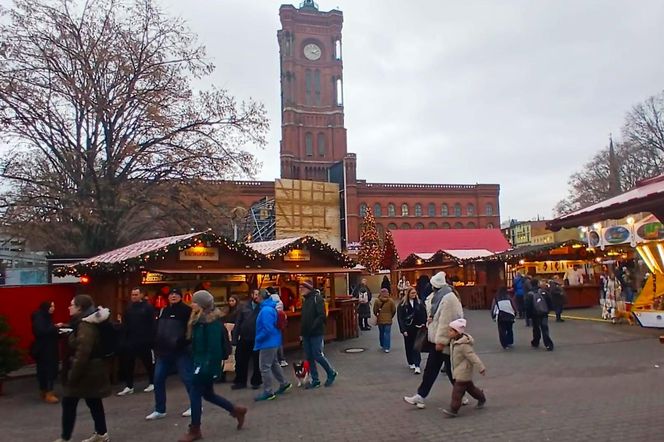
{"points": [[602, 382]]}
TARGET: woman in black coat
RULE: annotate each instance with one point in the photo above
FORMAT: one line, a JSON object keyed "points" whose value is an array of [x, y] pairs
{"points": [[412, 315], [45, 349]]}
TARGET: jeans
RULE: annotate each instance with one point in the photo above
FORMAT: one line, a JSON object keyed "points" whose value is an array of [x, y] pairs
{"points": [[520, 306], [313, 349], [541, 331], [384, 331], [270, 367], [205, 390], [128, 363], [69, 405], [164, 365], [244, 354], [412, 356], [435, 362], [460, 388], [505, 333]]}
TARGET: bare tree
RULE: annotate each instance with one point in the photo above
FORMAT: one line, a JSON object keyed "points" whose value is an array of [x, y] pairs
{"points": [[644, 125], [109, 142]]}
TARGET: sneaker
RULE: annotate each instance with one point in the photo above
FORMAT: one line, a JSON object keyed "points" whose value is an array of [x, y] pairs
{"points": [[284, 388], [186, 413], [98, 438], [283, 363], [154, 416], [149, 389], [411, 366], [387, 350], [312, 385], [416, 400], [465, 401], [126, 391], [480, 404], [265, 396], [450, 413], [330, 379], [417, 370]]}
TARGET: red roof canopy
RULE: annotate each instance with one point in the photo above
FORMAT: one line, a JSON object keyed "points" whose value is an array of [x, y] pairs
{"points": [[421, 241], [647, 196]]}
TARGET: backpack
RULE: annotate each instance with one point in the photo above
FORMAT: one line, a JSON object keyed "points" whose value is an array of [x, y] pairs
{"points": [[539, 304], [282, 320], [108, 341], [363, 297]]}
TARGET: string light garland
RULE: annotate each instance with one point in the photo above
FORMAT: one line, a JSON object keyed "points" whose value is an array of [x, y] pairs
{"points": [[413, 259]]}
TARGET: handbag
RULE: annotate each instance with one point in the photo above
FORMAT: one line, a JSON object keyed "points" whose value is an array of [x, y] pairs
{"points": [[422, 343]]}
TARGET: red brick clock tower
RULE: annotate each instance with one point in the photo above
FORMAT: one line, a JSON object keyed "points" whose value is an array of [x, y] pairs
{"points": [[313, 136]]}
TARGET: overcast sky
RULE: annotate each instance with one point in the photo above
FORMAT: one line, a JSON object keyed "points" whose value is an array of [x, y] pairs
{"points": [[519, 93]]}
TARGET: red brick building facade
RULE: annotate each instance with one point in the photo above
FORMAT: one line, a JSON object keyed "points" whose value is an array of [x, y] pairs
{"points": [[314, 139]]}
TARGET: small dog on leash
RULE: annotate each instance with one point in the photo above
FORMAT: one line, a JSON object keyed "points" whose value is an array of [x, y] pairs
{"points": [[302, 373]]}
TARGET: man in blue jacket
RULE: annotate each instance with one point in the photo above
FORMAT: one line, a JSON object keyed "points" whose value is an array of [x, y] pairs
{"points": [[519, 286], [268, 341]]}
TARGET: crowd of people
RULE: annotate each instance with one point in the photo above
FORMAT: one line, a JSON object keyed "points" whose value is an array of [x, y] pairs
{"points": [[200, 343]]}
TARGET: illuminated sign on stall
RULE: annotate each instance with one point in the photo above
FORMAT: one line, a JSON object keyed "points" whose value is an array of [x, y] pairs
{"points": [[200, 253], [297, 255]]}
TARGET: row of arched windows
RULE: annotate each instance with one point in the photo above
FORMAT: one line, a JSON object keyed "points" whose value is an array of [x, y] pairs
{"points": [[309, 144], [456, 210], [431, 225]]}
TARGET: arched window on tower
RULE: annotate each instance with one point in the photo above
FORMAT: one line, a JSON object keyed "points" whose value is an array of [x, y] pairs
{"points": [[457, 209], [308, 84], [317, 87], [339, 92], [488, 209], [391, 210], [378, 210], [309, 144], [321, 144], [363, 210], [337, 49], [432, 209], [418, 209], [470, 209], [444, 210], [404, 209]]}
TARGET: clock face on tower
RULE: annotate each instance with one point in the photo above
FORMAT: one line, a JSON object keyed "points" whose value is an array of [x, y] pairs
{"points": [[312, 51]]}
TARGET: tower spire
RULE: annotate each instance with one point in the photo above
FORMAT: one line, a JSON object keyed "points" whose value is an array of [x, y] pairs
{"points": [[614, 171]]}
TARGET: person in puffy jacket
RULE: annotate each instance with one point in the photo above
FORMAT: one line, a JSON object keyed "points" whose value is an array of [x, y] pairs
{"points": [[139, 322], [312, 332], [205, 329], [85, 372], [384, 309], [171, 351], [503, 311], [244, 338], [45, 349], [268, 340]]}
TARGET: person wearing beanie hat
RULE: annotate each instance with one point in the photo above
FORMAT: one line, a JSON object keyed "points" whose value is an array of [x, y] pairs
{"points": [[205, 330], [464, 362]]}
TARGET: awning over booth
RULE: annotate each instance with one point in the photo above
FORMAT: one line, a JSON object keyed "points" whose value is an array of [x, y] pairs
{"points": [[647, 196]]}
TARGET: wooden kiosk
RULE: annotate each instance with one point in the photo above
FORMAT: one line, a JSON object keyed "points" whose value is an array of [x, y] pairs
{"points": [[224, 268]]}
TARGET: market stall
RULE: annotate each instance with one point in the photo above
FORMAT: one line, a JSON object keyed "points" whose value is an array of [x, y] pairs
{"points": [[207, 261]]}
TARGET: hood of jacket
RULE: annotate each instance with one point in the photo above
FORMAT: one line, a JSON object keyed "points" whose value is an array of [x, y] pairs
{"points": [[464, 339], [269, 302], [214, 315], [98, 316]]}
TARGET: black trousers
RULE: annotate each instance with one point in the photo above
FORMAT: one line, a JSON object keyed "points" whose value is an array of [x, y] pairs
{"points": [[435, 362], [505, 333], [244, 354], [47, 371], [412, 356], [364, 322], [69, 405], [520, 306], [541, 331], [128, 364]]}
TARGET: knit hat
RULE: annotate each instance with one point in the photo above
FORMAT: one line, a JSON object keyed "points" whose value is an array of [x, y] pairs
{"points": [[175, 291], [459, 325], [307, 284], [438, 280], [204, 299]]}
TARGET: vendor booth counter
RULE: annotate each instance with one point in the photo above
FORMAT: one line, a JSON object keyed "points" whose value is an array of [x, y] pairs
{"points": [[582, 296]]}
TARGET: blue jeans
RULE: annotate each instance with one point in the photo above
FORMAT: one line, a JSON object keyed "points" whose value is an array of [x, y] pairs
{"points": [[205, 390], [163, 366], [384, 333], [313, 349]]}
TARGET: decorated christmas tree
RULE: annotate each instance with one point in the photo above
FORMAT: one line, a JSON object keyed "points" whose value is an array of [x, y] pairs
{"points": [[10, 356], [390, 256], [370, 255]]}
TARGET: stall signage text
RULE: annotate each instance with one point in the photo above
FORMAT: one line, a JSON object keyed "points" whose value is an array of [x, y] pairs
{"points": [[200, 253], [298, 255]]}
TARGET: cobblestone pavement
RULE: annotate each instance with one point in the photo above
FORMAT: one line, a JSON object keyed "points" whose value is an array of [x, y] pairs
{"points": [[602, 382]]}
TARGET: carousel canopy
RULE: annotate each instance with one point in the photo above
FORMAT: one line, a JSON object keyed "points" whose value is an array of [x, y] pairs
{"points": [[532, 250], [647, 196]]}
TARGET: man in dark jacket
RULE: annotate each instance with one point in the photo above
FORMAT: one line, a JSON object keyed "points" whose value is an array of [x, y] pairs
{"points": [[244, 336], [139, 326], [540, 315], [45, 349], [312, 332], [171, 349]]}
